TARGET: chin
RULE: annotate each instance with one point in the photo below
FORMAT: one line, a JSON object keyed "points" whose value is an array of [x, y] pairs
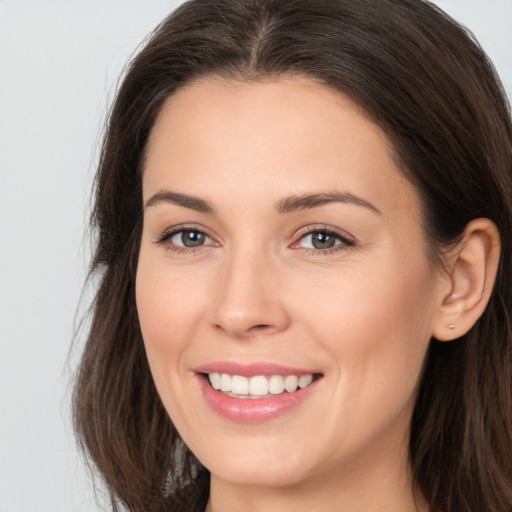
{"points": [[260, 462]]}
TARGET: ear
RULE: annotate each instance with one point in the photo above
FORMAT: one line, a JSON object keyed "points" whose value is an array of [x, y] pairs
{"points": [[465, 288]]}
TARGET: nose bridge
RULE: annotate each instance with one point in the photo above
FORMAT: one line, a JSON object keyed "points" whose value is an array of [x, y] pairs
{"points": [[248, 302]]}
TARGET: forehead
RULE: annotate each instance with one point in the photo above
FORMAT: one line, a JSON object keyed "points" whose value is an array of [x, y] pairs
{"points": [[269, 139]]}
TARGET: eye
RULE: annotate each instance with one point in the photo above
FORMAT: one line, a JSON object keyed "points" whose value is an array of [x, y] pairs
{"points": [[189, 238], [324, 240], [183, 239]]}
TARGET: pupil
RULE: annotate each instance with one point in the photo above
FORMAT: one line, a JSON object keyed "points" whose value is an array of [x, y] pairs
{"points": [[192, 238], [323, 241]]}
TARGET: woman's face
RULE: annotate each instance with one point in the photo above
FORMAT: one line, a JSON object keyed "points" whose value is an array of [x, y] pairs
{"points": [[281, 246]]}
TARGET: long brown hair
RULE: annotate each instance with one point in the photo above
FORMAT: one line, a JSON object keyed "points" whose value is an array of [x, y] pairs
{"points": [[425, 81]]}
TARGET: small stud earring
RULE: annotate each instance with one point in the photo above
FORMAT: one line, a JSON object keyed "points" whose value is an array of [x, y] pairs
{"points": [[451, 326]]}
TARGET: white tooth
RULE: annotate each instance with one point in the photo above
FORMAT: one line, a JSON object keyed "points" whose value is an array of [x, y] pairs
{"points": [[305, 380], [225, 382], [239, 385], [258, 386], [290, 383], [214, 380], [276, 385]]}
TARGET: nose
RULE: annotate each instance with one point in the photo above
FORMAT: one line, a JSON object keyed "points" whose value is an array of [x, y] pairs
{"points": [[250, 299]]}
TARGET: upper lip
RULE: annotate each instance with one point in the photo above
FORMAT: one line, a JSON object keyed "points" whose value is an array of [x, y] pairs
{"points": [[252, 369]]}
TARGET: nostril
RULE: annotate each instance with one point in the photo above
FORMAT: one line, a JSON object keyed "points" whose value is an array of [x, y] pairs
{"points": [[243, 332]]}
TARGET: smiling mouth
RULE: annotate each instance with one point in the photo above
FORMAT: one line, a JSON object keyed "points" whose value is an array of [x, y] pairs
{"points": [[259, 386]]}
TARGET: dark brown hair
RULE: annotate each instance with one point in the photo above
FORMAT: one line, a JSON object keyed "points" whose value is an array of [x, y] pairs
{"points": [[426, 82]]}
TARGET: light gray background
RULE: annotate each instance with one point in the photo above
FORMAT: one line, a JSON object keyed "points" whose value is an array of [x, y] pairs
{"points": [[59, 61]]}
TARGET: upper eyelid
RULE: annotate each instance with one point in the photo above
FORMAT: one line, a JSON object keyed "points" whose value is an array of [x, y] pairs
{"points": [[171, 231], [308, 230]]}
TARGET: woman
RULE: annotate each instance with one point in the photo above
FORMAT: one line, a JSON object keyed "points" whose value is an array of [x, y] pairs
{"points": [[304, 215]]}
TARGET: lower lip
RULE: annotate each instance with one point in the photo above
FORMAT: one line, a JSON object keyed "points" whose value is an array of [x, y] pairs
{"points": [[253, 410]]}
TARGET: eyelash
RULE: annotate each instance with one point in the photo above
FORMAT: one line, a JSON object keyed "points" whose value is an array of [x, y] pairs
{"points": [[346, 242]]}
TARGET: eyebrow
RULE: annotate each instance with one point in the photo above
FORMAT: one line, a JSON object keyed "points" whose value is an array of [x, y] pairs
{"points": [[307, 201], [167, 196], [286, 205]]}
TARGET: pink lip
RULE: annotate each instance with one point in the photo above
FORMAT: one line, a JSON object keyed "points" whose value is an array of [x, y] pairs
{"points": [[247, 410], [251, 369]]}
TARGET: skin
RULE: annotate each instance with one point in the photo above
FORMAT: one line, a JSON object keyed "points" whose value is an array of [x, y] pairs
{"points": [[362, 313]]}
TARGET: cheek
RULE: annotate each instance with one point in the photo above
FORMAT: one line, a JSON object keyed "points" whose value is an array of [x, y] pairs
{"points": [[376, 328], [359, 302], [168, 306], [376, 332]]}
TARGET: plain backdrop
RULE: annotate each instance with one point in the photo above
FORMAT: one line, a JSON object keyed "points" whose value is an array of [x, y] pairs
{"points": [[59, 61]]}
